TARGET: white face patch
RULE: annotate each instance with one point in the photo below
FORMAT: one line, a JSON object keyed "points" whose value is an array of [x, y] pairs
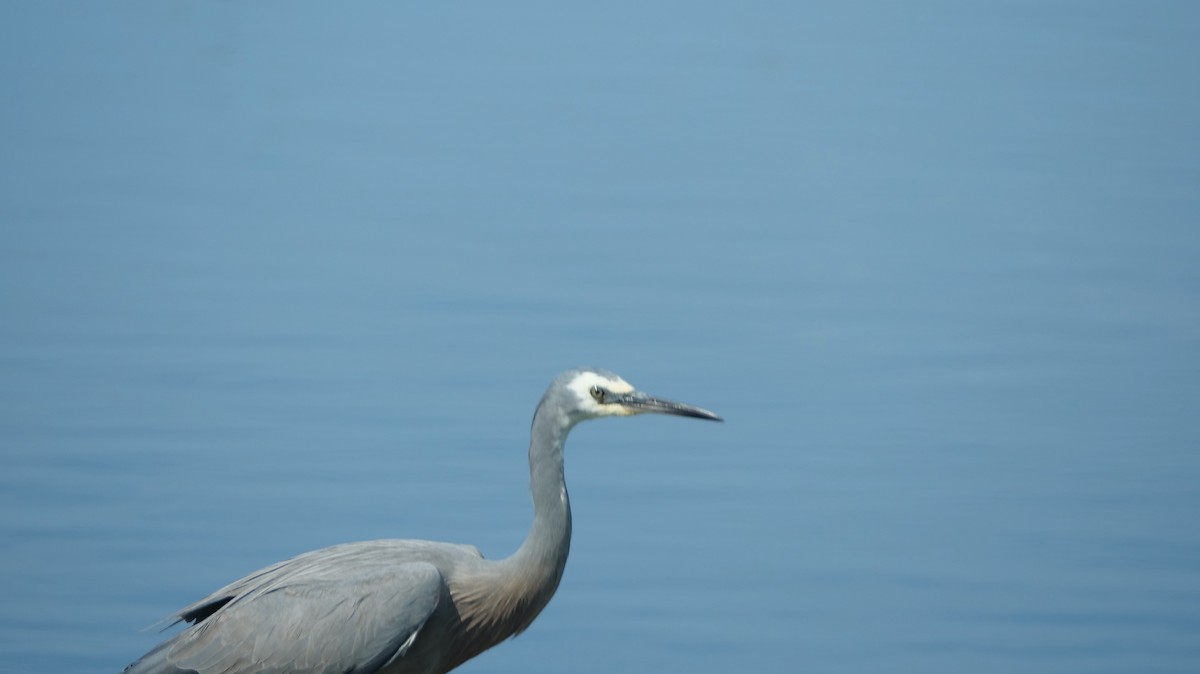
{"points": [[582, 385]]}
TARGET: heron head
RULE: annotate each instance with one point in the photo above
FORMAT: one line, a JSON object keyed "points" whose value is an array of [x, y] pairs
{"points": [[593, 393]]}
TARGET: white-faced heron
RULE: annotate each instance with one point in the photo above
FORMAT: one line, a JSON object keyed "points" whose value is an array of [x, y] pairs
{"points": [[401, 606]]}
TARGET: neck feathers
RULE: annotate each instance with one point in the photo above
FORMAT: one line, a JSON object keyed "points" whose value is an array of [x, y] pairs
{"points": [[515, 590]]}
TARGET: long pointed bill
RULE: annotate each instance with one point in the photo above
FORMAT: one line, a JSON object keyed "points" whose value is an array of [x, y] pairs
{"points": [[637, 402]]}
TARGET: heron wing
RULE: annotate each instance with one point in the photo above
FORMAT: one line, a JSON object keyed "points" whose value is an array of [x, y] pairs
{"points": [[318, 622], [386, 552]]}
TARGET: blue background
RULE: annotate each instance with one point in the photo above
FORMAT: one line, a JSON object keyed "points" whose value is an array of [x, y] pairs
{"points": [[277, 275]]}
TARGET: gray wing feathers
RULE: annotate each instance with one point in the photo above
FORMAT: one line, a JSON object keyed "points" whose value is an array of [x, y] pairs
{"points": [[314, 618], [339, 557], [205, 607]]}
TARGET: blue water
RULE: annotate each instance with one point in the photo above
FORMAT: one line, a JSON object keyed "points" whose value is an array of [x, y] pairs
{"points": [[276, 276]]}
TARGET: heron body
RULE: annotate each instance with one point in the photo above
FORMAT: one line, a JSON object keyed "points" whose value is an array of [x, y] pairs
{"points": [[404, 606]]}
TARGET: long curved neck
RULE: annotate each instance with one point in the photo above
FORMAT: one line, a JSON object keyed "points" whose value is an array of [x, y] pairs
{"points": [[538, 564], [505, 597]]}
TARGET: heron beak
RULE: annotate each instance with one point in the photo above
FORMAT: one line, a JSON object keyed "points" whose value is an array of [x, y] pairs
{"points": [[638, 402]]}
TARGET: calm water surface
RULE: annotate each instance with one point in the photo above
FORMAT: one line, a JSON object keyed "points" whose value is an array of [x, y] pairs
{"points": [[278, 276]]}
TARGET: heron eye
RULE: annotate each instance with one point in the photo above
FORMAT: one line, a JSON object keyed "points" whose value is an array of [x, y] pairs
{"points": [[597, 394]]}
